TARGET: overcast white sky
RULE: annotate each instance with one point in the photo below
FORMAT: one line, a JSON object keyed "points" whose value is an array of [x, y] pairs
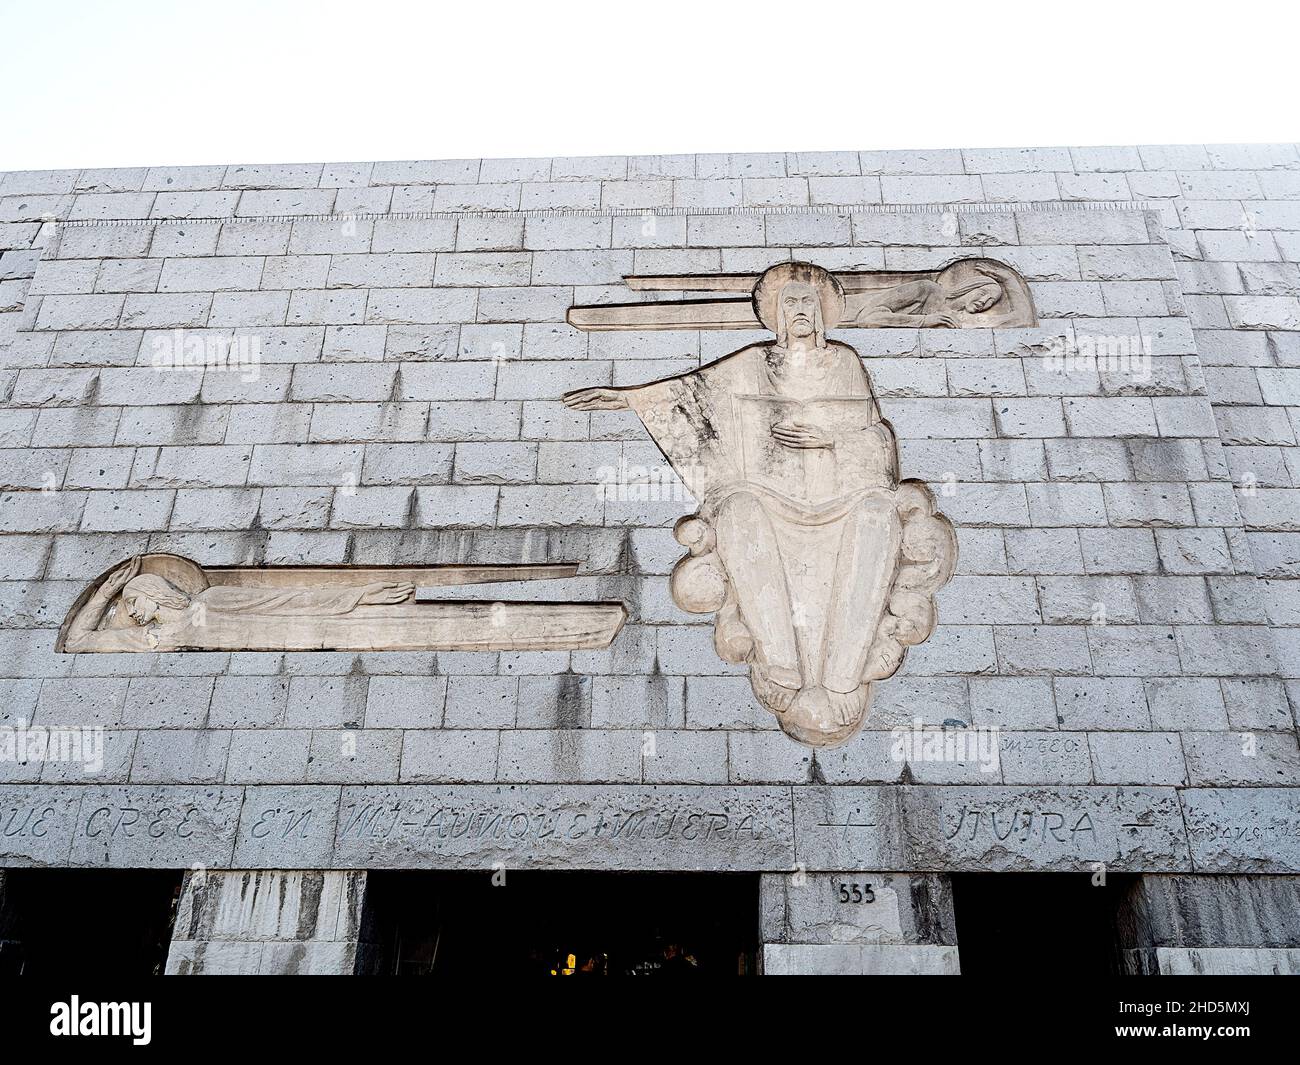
{"points": [[146, 82]]}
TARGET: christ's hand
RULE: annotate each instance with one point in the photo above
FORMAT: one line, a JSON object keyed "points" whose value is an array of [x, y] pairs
{"points": [[795, 434], [596, 399]]}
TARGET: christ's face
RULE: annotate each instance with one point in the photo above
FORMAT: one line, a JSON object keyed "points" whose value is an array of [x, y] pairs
{"points": [[799, 305]]}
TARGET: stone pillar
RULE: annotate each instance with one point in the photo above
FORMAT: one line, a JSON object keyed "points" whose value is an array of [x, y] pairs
{"points": [[1211, 925], [857, 923], [303, 922]]}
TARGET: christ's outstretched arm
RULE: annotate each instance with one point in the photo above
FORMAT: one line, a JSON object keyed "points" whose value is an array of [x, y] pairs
{"points": [[597, 399]]}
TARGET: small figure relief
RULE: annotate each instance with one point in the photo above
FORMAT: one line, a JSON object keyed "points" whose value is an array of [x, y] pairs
{"points": [[168, 603], [966, 294], [820, 564]]}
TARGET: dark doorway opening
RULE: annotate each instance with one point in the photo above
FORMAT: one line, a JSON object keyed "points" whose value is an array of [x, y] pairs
{"points": [[1010, 924], [561, 923], [97, 922]]}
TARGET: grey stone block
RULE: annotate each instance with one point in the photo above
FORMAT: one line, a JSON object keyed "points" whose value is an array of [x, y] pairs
{"points": [[578, 755], [1045, 758], [434, 756], [1125, 758], [180, 756], [680, 756], [1213, 912], [268, 756], [407, 702], [248, 702], [368, 756], [1243, 829]]}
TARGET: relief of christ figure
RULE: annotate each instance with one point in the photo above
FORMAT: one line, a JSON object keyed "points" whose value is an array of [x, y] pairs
{"points": [[821, 565]]}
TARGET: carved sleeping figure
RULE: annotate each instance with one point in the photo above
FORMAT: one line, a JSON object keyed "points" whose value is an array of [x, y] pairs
{"points": [[167, 603]]}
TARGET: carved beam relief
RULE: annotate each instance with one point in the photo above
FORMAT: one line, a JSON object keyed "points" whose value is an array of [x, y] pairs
{"points": [[168, 603], [819, 564], [967, 294]]}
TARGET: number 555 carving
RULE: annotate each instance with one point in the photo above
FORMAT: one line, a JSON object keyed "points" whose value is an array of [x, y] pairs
{"points": [[853, 892]]}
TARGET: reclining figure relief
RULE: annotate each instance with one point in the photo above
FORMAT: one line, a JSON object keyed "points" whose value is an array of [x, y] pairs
{"points": [[821, 565], [165, 603]]}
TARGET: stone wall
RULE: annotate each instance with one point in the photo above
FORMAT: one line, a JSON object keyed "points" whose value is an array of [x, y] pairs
{"points": [[411, 322]]}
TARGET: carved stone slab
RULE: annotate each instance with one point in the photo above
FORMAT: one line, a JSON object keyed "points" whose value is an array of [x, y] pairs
{"points": [[1243, 829], [289, 827], [937, 828], [1055, 828], [37, 824], [993, 829], [581, 827], [864, 906], [173, 827], [164, 602]]}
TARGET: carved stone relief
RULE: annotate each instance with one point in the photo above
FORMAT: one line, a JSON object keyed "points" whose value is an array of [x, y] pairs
{"points": [[167, 603], [966, 294], [820, 564]]}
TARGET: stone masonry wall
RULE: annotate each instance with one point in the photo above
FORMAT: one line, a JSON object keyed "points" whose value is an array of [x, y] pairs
{"points": [[411, 322]]}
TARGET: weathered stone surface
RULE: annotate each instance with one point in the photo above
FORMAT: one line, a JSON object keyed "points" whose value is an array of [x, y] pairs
{"points": [[859, 907], [38, 825], [848, 828], [156, 828], [269, 922], [287, 828], [937, 828], [1045, 828], [853, 959], [1227, 961], [580, 827], [989, 828], [1212, 911], [1243, 829]]}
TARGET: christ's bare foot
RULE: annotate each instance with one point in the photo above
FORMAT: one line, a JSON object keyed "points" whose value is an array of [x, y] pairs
{"points": [[813, 718], [847, 707], [776, 697]]}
